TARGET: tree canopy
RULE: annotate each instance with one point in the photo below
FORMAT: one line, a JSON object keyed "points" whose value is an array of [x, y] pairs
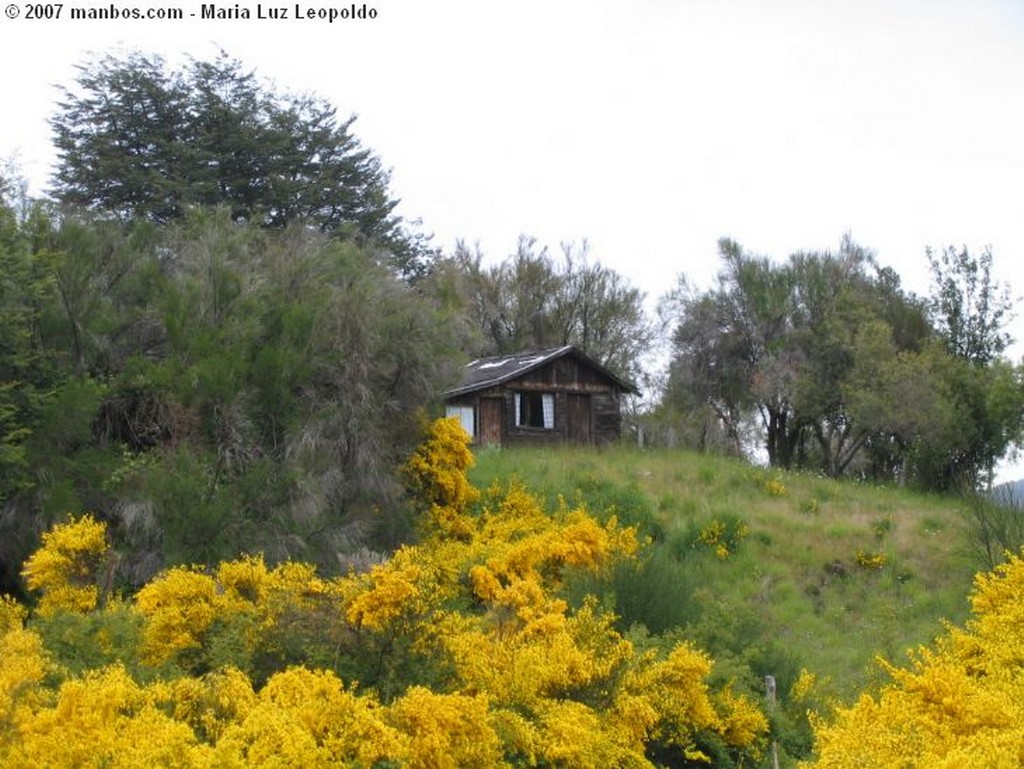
{"points": [[969, 307], [210, 386], [139, 140], [844, 370], [533, 300]]}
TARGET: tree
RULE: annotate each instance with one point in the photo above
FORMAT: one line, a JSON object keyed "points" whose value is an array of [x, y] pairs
{"points": [[709, 368], [209, 386], [138, 140], [969, 308], [734, 346], [29, 370], [533, 301], [793, 343], [296, 368]]}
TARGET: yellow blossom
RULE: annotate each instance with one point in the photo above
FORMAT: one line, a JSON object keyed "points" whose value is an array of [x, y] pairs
{"points": [[67, 565]]}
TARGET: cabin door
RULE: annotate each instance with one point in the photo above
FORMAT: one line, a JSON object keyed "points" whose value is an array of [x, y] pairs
{"points": [[490, 421], [580, 418]]}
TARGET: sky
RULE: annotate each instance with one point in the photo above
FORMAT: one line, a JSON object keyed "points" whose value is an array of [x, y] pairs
{"points": [[651, 128]]}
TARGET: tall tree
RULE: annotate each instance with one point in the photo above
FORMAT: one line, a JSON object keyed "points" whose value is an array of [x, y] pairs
{"points": [[139, 140], [969, 307], [532, 300], [788, 342], [209, 386], [970, 310], [734, 346]]}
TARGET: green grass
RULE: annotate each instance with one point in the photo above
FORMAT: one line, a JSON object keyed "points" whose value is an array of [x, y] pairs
{"points": [[826, 576]]}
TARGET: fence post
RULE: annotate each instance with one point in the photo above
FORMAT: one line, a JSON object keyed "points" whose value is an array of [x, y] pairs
{"points": [[769, 694]]}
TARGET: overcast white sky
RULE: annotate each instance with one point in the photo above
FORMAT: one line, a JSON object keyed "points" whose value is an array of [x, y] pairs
{"points": [[651, 128]]}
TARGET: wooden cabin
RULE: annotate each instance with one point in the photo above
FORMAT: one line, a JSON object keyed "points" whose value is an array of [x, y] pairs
{"points": [[545, 396]]}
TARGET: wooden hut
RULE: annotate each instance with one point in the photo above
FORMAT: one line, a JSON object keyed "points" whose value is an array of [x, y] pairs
{"points": [[544, 396]]}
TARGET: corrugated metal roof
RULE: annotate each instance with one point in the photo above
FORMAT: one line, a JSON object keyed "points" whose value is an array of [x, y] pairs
{"points": [[482, 373]]}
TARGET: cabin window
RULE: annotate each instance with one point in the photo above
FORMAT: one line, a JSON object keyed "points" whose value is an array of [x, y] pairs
{"points": [[535, 410], [466, 415]]}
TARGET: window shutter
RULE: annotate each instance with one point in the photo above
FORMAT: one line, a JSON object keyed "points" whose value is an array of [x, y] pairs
{"points": [[466, 417], [548, 401]]}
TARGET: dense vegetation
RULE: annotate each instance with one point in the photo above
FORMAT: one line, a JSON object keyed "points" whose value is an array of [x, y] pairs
{"points": [[141, 141], [209, 389], [510, 636], [453, 653], [844, 371], [773, 571], [217, 338]]}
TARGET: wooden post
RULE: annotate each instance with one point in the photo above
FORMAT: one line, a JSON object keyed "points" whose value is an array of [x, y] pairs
{"points": [[769, 694]]}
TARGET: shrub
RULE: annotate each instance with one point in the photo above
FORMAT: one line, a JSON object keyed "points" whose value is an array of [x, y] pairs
{"points": [[464, 649], [959, 703], [66, 569]]}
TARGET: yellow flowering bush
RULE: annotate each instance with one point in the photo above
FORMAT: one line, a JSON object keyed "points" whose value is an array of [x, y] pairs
{"points": [[198, 619], [436, 479], [958, 704], [104, 719], [179, 608], [307, 718], [446, 731], [23, 666], [390, 591], [457, 652], [870, 560], [66, 568], [724, 537]]}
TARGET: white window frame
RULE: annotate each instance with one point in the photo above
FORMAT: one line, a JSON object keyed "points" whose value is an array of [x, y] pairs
{"points": [[547, 402], [466, 415]]}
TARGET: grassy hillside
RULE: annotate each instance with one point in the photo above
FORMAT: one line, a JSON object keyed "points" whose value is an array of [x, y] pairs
{"points": [[775, 570]]}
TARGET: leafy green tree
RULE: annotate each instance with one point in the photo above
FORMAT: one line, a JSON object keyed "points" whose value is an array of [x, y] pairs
{"points": [[796, 343], [733, 345], [209, 387], [532, 300], [29, 371], [17, 316], [969, 308], [299, 365], [139, 140], [699, 387]]}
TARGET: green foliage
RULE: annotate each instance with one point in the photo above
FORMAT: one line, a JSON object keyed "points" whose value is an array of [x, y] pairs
{"points": [[838, 365], [658, 591], [969, 307], [82, 642], [213, 135], [25, 370], [994, 528], [605, 498], [210, 387], [535, 301]]}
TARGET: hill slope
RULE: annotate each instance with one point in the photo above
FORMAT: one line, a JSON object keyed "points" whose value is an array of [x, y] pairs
{"points": [[777, 570]]}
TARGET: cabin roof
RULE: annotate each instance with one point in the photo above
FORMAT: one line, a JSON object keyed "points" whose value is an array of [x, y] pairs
{"points": [[481, 373]]}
